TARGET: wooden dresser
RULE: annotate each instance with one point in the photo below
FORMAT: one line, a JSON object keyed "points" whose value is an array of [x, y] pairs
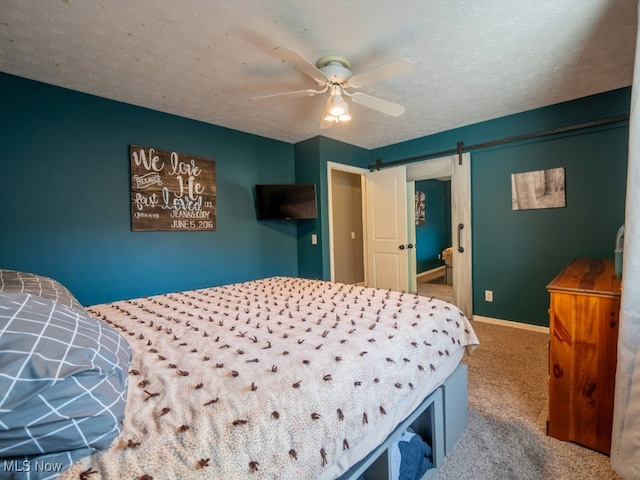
{"points": [[583, 324]]}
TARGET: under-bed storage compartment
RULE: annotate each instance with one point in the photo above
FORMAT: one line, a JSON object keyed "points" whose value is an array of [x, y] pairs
{"points": [[425, 422], [440, 420], [456, 412]]}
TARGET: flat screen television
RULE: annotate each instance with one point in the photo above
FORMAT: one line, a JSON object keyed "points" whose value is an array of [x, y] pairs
{"points": [[286, 202]]}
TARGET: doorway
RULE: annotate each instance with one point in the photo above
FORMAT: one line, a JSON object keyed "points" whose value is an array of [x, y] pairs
{"points": [[433, 238], [345, 187], [456, 168]]}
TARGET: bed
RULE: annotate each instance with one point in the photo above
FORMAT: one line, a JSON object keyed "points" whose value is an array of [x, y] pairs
{"points": [[274, 378]]}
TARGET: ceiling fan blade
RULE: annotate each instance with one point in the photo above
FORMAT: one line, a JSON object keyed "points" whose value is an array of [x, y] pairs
{"points": [[297, 93], [301, 64], [383, 72], [378, 104]]}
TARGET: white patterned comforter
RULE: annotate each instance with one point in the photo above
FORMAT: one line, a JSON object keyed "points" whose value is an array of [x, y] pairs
{"points": [[270, 379]]}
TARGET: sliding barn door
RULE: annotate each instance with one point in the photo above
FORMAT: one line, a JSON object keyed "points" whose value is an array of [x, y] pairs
{"points": [[458, 169], [387, 257], [461, 226]]}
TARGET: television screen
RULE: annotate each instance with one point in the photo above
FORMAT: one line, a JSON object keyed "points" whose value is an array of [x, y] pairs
{"points": [[293, 201]]}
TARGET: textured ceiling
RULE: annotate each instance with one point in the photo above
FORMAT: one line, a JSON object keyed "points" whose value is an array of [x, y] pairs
{"points": [[204, 59]]}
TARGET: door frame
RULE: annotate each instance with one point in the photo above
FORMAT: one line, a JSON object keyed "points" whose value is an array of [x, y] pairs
{"points": [[358, 171], [441, 167]]}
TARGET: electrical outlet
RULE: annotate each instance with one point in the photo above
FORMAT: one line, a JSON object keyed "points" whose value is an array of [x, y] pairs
{"points": [[314, 239], [488, 295]]}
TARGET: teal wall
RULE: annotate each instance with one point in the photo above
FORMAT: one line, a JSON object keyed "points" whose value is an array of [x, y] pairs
{"points": [[307, 170], [312, 157], [435, 235], [64, 187], [64, 190], [517, 253]]}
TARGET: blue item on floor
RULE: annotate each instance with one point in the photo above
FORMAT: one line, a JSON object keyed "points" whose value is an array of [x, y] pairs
{"points": [[415, 458], [409, 457]]}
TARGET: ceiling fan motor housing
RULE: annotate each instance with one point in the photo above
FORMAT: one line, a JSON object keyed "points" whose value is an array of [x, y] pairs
{"points": [[336, 69]]}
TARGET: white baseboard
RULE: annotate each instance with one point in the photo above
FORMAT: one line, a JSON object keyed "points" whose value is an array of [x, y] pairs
{"points": [[507, 323], [433, 270]]}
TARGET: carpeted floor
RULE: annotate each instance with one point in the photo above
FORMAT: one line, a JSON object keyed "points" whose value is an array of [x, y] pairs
{"points": [[433, 285], [508, 398]]}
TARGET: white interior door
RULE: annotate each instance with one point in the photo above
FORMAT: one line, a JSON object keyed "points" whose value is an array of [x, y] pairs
{"points": [[387, 257]]}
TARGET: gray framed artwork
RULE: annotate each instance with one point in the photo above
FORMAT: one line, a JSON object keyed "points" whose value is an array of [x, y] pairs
{"points": [[538, 189]]}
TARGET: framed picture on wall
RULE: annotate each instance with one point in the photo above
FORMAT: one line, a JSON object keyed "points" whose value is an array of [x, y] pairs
{"points": [[171, 191], [538, 189], [421, 212]]}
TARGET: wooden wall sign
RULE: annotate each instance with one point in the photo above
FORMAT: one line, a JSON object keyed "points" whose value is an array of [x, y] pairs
{"points": [[171, 191]]}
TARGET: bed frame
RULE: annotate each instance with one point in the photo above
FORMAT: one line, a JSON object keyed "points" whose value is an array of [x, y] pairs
{"points": [[440, 420]]}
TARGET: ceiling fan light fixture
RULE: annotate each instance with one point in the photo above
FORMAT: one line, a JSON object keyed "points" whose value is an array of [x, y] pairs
{"points": [[336, 110], [338, 106]]}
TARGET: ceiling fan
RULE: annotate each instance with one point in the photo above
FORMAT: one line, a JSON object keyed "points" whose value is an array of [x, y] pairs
{"points": [[333, 75]]}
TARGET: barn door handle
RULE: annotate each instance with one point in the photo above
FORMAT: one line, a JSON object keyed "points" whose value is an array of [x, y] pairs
{"points": [[460, 227]]}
